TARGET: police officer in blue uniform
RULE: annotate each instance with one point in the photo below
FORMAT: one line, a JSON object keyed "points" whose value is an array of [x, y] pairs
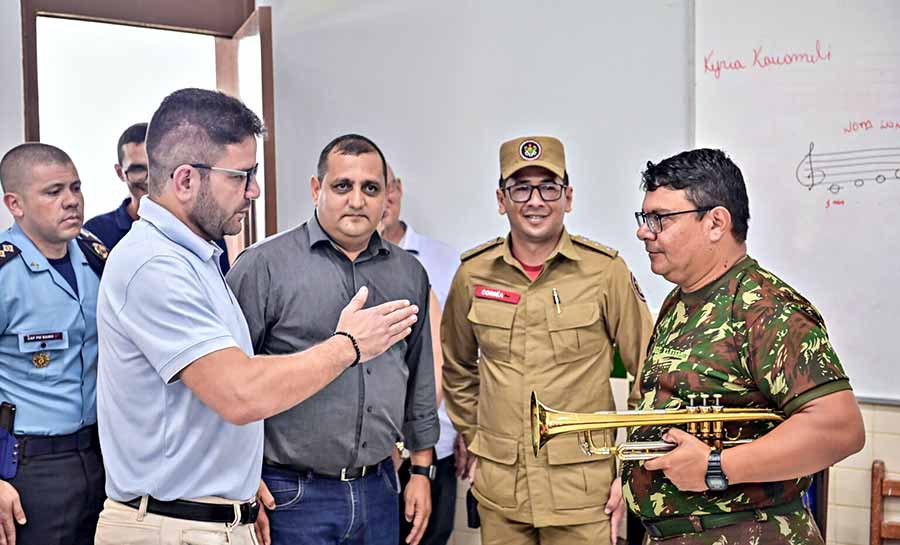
{"points": [[52, 486]]}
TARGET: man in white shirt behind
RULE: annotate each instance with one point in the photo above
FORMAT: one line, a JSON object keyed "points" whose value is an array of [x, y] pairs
{"points": [[440, 261]]}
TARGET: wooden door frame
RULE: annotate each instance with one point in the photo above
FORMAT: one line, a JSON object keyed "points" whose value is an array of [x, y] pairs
{"points": [[223, 19], [258, 23]]}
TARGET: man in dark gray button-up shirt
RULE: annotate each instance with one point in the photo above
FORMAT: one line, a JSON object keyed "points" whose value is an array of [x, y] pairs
{"points": [[292, 288]]}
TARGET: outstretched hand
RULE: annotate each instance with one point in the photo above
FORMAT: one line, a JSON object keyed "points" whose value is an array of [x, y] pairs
{"points": [[378, 328]]}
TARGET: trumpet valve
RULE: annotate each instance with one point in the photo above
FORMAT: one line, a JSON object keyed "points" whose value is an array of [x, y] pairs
{"points": [[705, 398], [692, 428], [691, 398], [718, 429], [717, 405], [705, 429]]}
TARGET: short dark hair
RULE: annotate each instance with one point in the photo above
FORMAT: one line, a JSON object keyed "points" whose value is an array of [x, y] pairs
{"points": [[349, 144], [16, 165], [135, 134], [194, 126], [709, 178]]}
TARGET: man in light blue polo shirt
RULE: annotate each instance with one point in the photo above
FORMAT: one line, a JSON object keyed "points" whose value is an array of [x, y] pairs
{"points": [[181, 397]]}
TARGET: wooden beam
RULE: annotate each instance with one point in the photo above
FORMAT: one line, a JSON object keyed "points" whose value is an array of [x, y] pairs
{"points": [[214, 17], [30, 74], [268, 96], [876, 510], [890, 530]]}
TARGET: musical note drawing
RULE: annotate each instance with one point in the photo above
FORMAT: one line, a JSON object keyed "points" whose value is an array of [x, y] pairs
{"points": [[837, 169]]}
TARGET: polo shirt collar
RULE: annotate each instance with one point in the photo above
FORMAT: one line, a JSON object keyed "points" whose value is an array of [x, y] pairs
{"points": [[121, 217], [317, 235], [175, 230]]}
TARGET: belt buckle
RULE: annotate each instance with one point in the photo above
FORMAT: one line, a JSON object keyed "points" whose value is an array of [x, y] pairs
{"points": [[250, 512], [344, 475]]}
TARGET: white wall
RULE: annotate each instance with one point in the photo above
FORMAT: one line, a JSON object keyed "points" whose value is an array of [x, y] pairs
{"points": [[121, 73], [12, 121], [439, 85]]}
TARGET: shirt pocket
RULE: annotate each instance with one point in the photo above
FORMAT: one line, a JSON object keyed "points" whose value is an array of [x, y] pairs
{"points": [[492, 323], [574, 332], [579, 480], [497, 470], [44, 351]]}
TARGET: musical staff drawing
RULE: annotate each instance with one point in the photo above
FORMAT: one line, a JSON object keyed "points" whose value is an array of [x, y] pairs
{"points": [[854, 168]]}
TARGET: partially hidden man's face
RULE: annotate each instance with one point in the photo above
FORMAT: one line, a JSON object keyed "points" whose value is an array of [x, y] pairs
{"points": [[350, 199], [133, 170], [223, 199], [51, 206], [394, 197], [679, 252], [536, 221]]}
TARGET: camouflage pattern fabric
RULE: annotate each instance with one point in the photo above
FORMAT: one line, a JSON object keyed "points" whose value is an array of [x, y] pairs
{"points": [[759, 343], [793, 529]]}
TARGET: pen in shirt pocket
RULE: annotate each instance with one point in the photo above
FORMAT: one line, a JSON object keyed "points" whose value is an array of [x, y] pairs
{"points": [[556, 301]]}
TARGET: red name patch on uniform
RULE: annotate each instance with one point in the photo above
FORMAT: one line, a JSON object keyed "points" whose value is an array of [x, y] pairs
{"points": [[497, 294]]}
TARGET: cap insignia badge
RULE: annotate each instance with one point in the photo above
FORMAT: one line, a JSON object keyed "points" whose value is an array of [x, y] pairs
{"points": [[530, 150]]}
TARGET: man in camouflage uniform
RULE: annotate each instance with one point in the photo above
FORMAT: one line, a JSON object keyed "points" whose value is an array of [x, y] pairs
{"points": [[731, 329], [538, 310]]}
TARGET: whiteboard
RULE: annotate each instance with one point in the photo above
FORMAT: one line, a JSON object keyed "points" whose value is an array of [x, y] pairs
{"points": [[805, 97], [439, 85]]}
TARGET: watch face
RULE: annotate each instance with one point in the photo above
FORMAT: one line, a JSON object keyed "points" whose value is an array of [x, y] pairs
{"points": [[716, 483]]}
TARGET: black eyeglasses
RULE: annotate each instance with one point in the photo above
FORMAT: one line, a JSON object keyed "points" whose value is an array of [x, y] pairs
{"points": [[654, 220], [246, 175], [136, 173], [549, 191]]}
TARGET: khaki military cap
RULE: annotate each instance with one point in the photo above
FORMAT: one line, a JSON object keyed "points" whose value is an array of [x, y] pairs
{"points": [[526, 151]]}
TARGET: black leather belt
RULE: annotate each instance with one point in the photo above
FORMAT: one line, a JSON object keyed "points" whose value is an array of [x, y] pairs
{"points": [[344, 474], [200, 512], [41, 445]]}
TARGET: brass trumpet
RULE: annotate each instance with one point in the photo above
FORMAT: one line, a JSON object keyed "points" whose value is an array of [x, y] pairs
{"points": [[705, 421]]}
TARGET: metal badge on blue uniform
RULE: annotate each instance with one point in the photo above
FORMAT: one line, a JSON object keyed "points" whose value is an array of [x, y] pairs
{"points": [[40, 359]]}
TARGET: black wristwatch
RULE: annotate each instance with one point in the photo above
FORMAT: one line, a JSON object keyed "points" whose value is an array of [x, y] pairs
{"points": [[428, 471], [715, 477]]}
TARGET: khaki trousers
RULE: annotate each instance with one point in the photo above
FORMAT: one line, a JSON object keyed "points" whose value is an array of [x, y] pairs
{"points": [[499, 530], [123, 525]]}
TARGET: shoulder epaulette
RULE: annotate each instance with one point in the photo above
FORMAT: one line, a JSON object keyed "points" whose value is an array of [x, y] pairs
{"points": [[94, 250], [8, 251], [594, 245], [480, 248]]}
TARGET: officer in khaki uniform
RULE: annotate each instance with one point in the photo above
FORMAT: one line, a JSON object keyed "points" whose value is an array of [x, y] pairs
{"points": [[539, 310]]}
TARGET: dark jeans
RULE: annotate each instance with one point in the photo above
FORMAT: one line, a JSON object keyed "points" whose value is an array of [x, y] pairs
{"points": [[315, 510], [443, 503], [62, 496]]}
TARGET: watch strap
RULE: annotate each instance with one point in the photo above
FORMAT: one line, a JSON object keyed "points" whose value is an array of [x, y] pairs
{"points": [[427, 471], [714, 467]]}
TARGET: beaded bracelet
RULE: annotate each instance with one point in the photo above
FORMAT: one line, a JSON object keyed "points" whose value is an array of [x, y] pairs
{"points": [[355, 345]]}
